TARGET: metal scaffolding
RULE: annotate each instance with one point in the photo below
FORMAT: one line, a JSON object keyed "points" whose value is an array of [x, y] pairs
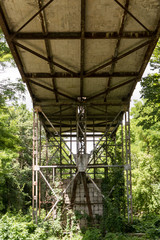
{"points": [[84, 95], [53, 159], [128, 167]]}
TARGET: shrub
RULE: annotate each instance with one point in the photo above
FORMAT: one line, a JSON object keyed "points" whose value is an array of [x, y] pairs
{"points": [[16, 228], [11, 229], [91, 234]]}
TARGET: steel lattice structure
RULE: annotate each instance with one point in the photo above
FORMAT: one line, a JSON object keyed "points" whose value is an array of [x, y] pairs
{"points": [[81, 61]]}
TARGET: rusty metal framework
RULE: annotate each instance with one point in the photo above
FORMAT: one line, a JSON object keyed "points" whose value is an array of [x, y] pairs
{"points": [[18, 37], [81, 94], [65, 157]]}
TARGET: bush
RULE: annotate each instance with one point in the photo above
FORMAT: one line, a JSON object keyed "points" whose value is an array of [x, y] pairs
{"points": [[91, 234], [20, 227], [11, 229], [114, 236]]}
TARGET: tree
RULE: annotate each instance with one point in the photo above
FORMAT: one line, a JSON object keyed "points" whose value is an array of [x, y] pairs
{"points": [[9, 90], [145, 161], [150, 93], [5, 53], [15, 157], [145, 128], [15, 139], [155, 60]]}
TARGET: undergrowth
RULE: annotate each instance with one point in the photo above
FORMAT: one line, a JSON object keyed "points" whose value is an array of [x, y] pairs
{"points": [[21, 227]]}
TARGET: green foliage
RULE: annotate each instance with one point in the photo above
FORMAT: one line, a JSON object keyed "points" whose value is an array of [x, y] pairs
{"points": [[115, 236], [150, 109], [92, 233], [11, 92], [145, 129], [119, 236], [113, 189], [145, 163], [148, 224], [15, 157], [5, 53], [155, 59], [19, 227], [112, 220]]}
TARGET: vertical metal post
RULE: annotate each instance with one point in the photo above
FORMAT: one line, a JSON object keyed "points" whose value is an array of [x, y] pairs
{"points": [[46, 170], [53, 174], [60, 141], [106, 150], [81, 130], [122, 142], [94, 148], [71, 147], [115, 149], [123, 162], [40, 149], [34, 164], [81, 151], [128, 167]]}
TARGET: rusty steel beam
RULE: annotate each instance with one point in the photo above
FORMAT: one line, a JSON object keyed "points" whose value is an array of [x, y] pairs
{"points": [[62, 110], [67, 126], [13, 49], [50, 102], [95, 185], [112, 88], [51, 89], [74, 124], [42, 57], [121, 56], [48, 47], [82, 46], [100, 125], [147, 56], [87, 35], [99, 109], [116, 52], [86, 190], [68, 166], [77, 75], [74, 190], [73, 117], [101, 122], [74, 135], [29, 20], [97, 147], [136, 19]]}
